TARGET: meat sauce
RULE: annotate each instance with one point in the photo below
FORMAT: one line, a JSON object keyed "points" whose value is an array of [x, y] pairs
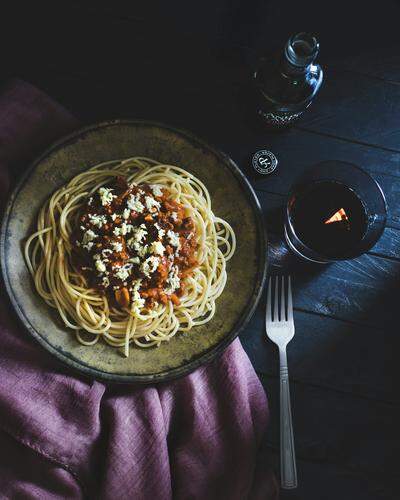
{"points": [[136, 244]]}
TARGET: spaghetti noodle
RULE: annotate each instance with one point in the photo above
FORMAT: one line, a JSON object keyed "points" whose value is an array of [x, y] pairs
{"points": [[131, 252]]}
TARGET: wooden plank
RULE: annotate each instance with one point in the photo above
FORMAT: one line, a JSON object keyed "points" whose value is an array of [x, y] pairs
{"points": [[337, 431], [389, 244], [330, 353], [332, 481], [363, 290], [298, 149], [358, 108], [382, 63]]}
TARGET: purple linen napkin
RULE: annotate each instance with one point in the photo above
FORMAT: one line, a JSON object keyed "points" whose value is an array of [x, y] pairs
{"points": [[66, 436]]}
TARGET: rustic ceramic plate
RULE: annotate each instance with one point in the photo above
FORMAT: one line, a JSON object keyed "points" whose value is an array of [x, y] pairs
{"points": [[232, 198]]}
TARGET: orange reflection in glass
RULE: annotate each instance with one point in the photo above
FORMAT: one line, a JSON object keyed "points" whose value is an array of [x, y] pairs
{"points": [[338, 216]]}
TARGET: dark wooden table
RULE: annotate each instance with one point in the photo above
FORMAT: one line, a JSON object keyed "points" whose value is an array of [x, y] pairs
{"points": [[185, 65]]}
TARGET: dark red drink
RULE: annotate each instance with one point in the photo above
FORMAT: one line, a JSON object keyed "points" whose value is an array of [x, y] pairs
{"points": [[336, 211], [328, 217]]}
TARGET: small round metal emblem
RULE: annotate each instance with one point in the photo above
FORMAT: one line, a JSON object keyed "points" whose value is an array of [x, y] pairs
{"points": [[264, 162]]}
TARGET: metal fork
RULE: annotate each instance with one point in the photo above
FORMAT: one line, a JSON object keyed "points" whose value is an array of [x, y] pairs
{"points": [[280, 329]]}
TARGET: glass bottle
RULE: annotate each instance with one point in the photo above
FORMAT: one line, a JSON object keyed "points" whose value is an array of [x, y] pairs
{"points": [[286, 86]]}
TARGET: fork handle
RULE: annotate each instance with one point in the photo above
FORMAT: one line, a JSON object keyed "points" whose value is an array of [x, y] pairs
{"points": [[288, 459]]}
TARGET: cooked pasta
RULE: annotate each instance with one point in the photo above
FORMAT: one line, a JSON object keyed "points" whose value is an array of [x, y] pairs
{"points": [[130, 251]]}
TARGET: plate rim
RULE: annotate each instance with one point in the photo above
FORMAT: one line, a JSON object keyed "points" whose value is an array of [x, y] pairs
{"points": [[63, 357]]}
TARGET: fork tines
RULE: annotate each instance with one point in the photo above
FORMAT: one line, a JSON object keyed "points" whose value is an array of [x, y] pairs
{"points": [[285, 311]]}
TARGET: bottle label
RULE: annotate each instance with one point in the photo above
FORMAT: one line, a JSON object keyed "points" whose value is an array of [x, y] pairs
{"points": [[279, 119]]}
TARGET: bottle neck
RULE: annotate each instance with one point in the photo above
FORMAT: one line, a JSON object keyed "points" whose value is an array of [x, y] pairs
{"points": [[299, 53]]}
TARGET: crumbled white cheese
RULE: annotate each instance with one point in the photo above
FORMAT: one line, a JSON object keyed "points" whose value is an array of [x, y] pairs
{"points": [[151, 203], [174, 216], [138, 234], [106, 251], [96, 256], [161, 231], [134, 260], [122, 273], [137, 301], [156, 188], [106, 281], [117, 246], [114, 216], [90, 200], [77, 243], [173, 239], [137, 284], [106, 196], [135, 204], [157, 248], [100, 266], [124, 229], [150, 265], [88, 237], [141, 250], [126, 213], [98, 220], [173, 281]]}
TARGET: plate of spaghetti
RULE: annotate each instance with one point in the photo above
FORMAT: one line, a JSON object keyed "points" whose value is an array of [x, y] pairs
{"points": [[133, 251]]}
